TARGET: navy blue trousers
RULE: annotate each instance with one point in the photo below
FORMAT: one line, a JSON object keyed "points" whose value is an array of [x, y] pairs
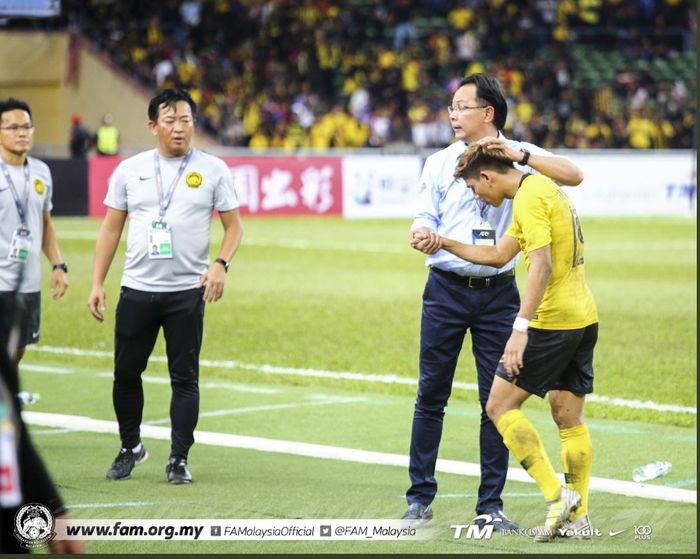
{"points": [[450, 308]]}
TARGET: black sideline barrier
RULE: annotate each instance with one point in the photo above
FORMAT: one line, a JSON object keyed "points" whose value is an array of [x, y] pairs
{"points": [[70, 186]]}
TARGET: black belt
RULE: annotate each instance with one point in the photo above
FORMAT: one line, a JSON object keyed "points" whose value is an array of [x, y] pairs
{"points": [[478, 282]]}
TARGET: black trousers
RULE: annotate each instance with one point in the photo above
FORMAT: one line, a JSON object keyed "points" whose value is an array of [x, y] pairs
{"points": [[139, 317], [36, 485]]}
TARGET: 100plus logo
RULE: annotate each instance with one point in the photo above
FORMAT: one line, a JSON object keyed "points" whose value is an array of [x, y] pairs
{"points": [[642, 532]]}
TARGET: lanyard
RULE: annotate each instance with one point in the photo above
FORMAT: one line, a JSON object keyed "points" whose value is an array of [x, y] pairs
{"points": [[483, 209], [21, 208], [165, 199]]}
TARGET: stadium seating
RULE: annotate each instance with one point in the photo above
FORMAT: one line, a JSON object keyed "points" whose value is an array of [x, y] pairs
{"points": [[252, 66]]}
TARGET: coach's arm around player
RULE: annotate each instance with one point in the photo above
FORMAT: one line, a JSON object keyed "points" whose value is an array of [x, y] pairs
{"points": [[557, 168]]}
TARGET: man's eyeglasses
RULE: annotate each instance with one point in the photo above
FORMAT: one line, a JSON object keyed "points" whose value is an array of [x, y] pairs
{"points": [[14, 128], [462, 108]]}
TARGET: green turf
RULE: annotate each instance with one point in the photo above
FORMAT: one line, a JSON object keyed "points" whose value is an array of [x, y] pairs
{"points": [[349, 300], [238, 483], [342, 295]]}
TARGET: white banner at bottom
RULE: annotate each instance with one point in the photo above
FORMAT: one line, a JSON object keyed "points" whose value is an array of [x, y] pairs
{"points": [[237, 529]]}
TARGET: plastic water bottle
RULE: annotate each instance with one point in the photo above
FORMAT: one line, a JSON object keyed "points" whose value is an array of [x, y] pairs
{"points": [[28, 398], [651, 471]]}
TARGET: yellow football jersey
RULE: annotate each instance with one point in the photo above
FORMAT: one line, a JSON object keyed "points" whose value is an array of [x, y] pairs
{"points": [[542, 215]]}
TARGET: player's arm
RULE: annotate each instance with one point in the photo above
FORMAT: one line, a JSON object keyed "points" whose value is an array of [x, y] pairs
{"points": [[107, 243], [496, 256], [537, 280], [49, 245], [213, 278]]}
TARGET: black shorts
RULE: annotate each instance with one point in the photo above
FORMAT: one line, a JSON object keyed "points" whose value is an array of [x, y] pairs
{"points": [[30, 316], [556, 360]]}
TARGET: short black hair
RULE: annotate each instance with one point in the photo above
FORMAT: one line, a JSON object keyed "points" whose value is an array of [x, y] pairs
{"points": [[12, 104], [478, 157], [169, 97], [489, 91]]}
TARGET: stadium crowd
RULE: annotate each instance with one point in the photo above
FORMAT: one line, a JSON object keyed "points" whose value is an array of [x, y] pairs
{"points": [[377, 73]]}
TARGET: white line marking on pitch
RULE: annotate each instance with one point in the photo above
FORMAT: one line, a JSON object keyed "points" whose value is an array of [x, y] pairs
{"points": [[113, 505], [269, 407], [151, 379], [52, 431], [507, 495], [386, 379], [618, 487], [45, 369]]}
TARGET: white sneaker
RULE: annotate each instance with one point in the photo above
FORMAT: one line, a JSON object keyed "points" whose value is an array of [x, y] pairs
{"points": [[557, 513], [579, 529]]}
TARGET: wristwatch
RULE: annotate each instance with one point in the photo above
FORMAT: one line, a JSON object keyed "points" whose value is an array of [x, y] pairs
{"points": [[526, 157], [62, 265], [223, 263]]}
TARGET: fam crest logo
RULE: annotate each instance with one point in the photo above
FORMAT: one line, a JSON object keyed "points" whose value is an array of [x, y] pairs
{"points": [[34, 525], [193, 179], [39, 186]]}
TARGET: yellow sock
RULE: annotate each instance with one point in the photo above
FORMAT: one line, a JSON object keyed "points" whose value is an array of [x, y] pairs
{"points": [[523, 440], [577, 458]]}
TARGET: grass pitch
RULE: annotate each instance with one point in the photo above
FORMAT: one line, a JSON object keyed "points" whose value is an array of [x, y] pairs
{"points": [[344, 296]]}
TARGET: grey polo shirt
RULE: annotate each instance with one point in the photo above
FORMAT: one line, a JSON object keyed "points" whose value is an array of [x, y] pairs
{"points": [[38, 202], [132, 188]]}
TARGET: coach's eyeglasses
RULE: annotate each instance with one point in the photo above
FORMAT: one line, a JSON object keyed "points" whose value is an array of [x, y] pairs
{"points": [[462, 108], [14, 128]]}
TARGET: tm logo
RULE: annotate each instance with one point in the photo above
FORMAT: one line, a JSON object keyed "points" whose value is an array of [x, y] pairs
{"points": [[482, 529], [688, 191]]}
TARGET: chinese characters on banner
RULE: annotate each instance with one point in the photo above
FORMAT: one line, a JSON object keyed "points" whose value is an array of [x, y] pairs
{"points": [[284, 185], [288, 185]]}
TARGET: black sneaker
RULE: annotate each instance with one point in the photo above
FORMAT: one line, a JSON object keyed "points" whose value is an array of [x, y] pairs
{"points": [[418, 514], [177, 471], [126, 461], [500, 522]]}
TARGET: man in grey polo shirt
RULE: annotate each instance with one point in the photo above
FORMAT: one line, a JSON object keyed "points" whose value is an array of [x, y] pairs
{"points": [[169, 195], [26, 228]]}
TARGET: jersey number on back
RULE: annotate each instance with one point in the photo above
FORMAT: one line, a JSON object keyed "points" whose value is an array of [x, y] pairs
{"points": [[578, 238]]}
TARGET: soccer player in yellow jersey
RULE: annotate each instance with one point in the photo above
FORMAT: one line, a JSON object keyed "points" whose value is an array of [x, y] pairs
{"points": [[551, 347]]}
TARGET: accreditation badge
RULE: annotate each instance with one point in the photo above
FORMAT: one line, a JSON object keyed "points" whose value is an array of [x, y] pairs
{"points": [[160, 240], [20, 245], [484, 236]]}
